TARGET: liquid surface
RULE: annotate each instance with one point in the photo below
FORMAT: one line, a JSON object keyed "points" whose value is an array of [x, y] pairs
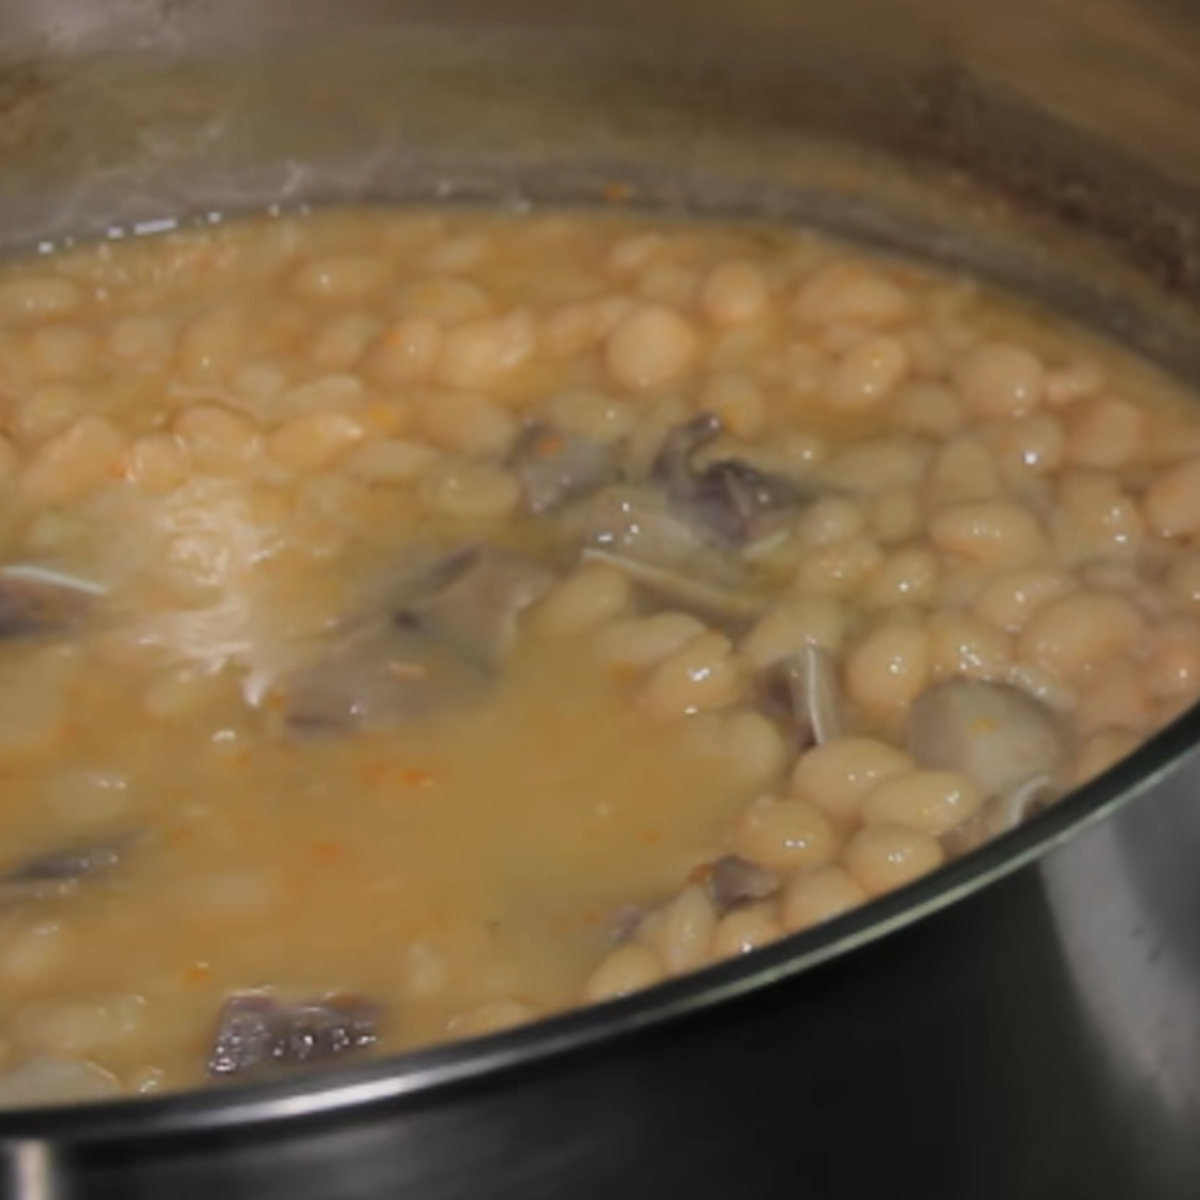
{"points": [[413, 624]]}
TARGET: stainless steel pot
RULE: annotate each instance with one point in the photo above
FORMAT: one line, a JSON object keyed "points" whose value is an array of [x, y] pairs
{"points": [[1025, 1024]]}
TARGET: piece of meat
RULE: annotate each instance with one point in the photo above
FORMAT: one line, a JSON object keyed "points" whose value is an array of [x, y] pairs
{"points": [[471, 600], [736, 502], [997, 733], [63, 868], [635, 520], [257, 1032], [734, 882], [719, 603], [803, 692], [382, 676], [438, 646], [555, 468], [38, 603]]}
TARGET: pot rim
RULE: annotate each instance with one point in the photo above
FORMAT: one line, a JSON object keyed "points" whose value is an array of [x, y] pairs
{"points": [[430, 1072]]}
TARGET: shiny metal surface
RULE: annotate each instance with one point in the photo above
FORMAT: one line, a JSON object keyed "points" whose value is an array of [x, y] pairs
{"points": [[1030, 1024]]}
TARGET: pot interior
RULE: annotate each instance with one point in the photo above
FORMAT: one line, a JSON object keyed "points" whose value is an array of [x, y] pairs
{"points": [[957, 137]]}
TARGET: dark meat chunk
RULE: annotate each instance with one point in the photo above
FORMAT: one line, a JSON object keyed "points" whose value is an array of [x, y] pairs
{"points": [[471, 601], [245, 1037], [437, 646], [734, 882], [1004, 813], [59, 870], [256, 1032], [35, 603], [634, 521], [998, 734], [623, 924], [674, 469], [737, 503], [555, 468], [381, 676], [803, 692]]}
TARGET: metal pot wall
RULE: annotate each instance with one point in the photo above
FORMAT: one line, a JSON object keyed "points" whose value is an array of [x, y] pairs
{"points": [[1024, 1024]]}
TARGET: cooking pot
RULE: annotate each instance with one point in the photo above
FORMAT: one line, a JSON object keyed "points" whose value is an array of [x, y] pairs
{"points": [[1024, 1023]]}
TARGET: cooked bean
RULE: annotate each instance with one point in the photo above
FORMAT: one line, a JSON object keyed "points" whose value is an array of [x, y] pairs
{"points": [[1101, 751], [464, 423], [1115, 697], [686, 934], [73, 463], [787, 835], [1009, 600], [1173, 501], [640, 642], [882, 858], [791, 626], [737, 402], [812, 897], [999, 379], [650, 347], [491, 1018], [852, 294], [481, 354], [343, 279], [585, 600], [994, 535], [867, 375], [964, 471], [629, 968], [889, 668], [700, 676], [1106, 433], [935, 802], [967, 645], [470, 492], [735, 292], [1075, 631], [744, 930], [838, 775]]}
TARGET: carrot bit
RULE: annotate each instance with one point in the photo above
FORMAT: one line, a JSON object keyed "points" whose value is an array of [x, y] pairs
{"points": [[327, 850], [382, 773], [651, 837], [384, 418], [622, 672], [404, 670], [198, 972], [375, 773], [417, 777], [616, 192]]}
